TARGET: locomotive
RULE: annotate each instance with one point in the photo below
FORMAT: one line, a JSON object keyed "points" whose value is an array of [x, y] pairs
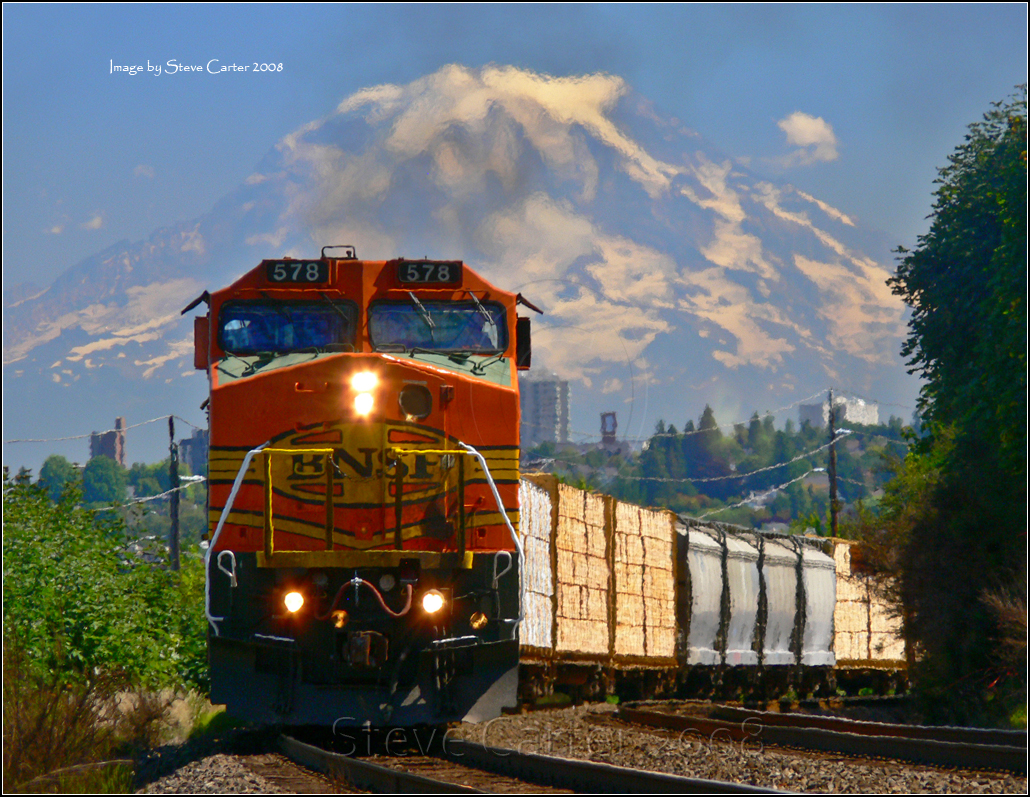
{"points": [[363, 564]]}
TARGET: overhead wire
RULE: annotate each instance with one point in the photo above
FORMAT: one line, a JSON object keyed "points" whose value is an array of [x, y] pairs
{"points": [[106, 431], [841, 433], [754, 498], [192, 481]]}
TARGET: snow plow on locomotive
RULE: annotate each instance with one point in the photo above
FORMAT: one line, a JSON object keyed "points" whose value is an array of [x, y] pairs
{"points": [[363, 560]]}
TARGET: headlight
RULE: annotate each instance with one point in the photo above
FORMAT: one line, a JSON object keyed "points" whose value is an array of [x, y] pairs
{"points": [[363, 403], [416, 401], [293, 601], [364, 381], [433, 601]]}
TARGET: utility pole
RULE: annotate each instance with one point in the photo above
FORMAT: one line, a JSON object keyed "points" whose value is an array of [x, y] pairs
{"points": [[173, 509], [832, 471]]}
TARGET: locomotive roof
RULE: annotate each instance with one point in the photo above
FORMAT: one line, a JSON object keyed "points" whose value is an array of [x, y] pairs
{"points": [[364, 281]]}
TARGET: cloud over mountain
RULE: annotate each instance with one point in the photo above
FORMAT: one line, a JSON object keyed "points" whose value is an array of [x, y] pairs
{"points": [[659, 261]]}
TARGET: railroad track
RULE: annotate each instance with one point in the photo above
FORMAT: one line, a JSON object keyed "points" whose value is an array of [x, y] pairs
{"points": [[469, 768], [968, 748]]}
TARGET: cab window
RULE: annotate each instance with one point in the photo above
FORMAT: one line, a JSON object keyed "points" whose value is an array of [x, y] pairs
{"points": [[438, 326], [246, 327]]}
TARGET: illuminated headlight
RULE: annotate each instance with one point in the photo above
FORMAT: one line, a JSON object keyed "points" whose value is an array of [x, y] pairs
{"points": [[363, 403], [364, 381], [293, 601], [432, 601]]}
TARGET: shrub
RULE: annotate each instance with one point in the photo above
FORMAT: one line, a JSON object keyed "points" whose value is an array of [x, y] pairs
{"points": [[80, 597]]}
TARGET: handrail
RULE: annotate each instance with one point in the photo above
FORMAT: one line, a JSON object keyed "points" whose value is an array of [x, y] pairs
{"points": [[466, 450], [212, 620], [470, 451], [330, 518]]}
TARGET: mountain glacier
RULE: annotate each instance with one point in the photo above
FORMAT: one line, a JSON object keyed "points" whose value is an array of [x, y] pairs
{"points": [[671, 275]]}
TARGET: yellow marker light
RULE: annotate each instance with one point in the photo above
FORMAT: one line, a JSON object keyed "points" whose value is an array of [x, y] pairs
{"points": [[478, 621], [363, 403], [364, 381], [293, 601], [432, 601]]}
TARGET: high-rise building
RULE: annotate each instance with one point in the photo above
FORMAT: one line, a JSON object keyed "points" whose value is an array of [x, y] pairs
{"points": [[193, 452], [545, 410]]}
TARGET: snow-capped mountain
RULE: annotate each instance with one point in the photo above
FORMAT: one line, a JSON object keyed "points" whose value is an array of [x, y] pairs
{"points": [[671, 276]]}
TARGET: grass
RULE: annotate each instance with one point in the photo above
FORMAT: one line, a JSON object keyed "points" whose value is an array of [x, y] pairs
{"points": [[212, 721], [73, 733]]}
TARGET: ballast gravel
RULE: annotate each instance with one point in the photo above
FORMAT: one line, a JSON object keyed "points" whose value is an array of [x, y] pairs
{"points": [[220, 773], [590, 733]]}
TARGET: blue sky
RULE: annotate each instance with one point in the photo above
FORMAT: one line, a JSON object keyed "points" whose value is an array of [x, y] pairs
{"points": [[91, 158], [885, 93]]}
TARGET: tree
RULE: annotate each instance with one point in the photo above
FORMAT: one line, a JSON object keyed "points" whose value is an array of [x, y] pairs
{"points": [[55, 474], [966, 284], [956, 514], [103, 481]]}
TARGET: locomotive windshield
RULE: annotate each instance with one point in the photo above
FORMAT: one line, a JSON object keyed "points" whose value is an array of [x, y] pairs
{"points": [[251, 327], [439, 326]]}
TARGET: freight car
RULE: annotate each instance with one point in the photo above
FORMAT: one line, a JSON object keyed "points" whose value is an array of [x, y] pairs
{"points": [[375, 558], [644, 603]]}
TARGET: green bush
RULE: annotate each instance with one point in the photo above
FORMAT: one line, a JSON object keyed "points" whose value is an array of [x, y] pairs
{"points": [[81, 597]]}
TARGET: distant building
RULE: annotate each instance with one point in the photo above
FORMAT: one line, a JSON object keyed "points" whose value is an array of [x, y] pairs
{"points": [[545, 410], [109, 444], [854, 410], [609, 426], [193, 452]]}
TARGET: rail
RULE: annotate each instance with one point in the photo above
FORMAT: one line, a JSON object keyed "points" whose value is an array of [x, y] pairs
{"points": [[577, 775], [866, 739]]}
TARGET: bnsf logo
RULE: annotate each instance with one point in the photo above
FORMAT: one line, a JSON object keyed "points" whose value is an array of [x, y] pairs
{"points": [[369, 463]]}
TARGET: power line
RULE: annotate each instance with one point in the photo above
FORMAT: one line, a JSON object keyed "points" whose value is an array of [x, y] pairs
{"points": [[106, 431], [192, 481], [853, 394], [761, 494], [730, 425], [840, 434]]}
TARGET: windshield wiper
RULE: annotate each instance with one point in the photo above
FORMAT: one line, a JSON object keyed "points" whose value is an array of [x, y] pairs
{"points": [[232, 354], [333, 305], [424, 313], [279, 307], [261, 359], [480, 367], [482, 310]]}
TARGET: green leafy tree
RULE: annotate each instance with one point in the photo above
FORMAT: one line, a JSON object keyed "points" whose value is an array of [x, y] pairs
{"points": [[958, 510], [966, 285], [103, 481], [55, 474]]}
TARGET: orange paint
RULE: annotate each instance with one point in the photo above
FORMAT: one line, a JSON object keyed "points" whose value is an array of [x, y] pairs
{"points": [[299, 402]]}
